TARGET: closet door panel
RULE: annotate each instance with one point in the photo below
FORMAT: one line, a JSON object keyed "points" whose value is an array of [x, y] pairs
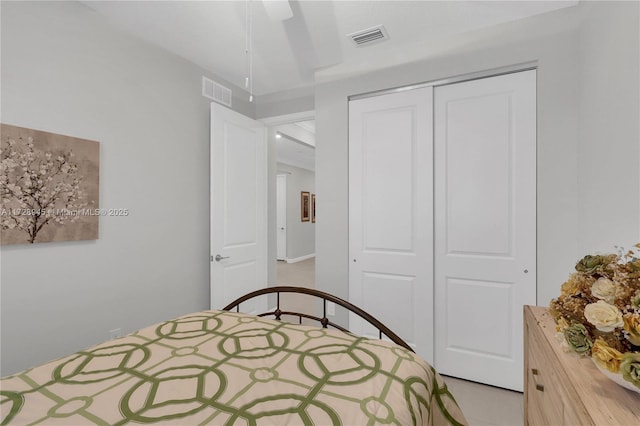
{"points": [[390, 214], [485, 225]]}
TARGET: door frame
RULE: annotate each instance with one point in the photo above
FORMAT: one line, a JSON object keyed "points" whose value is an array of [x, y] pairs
{"points": [[492, 72], [272, 171], [281, 208], [277, 120]]}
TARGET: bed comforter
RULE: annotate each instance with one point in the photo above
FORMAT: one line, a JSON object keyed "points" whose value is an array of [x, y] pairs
{"points": [[216, 367]]}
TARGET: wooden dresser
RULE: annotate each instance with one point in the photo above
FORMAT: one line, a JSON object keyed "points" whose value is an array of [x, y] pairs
{"points": [[560, 389]]}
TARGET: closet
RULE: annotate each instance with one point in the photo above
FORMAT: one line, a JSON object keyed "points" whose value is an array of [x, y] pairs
{"points": [[442, 220]]}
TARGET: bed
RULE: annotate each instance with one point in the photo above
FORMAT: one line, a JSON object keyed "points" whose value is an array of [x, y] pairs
{"points": [[230, 368]]}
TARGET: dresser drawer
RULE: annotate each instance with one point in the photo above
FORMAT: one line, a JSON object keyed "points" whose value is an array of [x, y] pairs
{"points": [[535, 403], [550, 397], [543, 390], [549, 394]]}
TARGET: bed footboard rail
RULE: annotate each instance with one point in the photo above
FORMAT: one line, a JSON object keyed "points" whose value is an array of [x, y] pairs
{"points": [[383, 330]]}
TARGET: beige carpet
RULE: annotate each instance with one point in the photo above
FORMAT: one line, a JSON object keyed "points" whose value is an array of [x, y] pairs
{"points": [[298, 274]]}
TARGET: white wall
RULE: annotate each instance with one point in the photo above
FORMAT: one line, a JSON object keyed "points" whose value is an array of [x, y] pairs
{"points": [[559, 44], [609, 148], [67, 71], [301, 236], [284, 103]]}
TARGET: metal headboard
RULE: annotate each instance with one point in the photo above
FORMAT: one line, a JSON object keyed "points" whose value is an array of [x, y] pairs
{"points": [[324, 321]]}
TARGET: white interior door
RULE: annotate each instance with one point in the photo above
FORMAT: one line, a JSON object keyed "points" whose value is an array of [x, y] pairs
{"points": [[281, 216], [391, 214], [485, 225], [238, 208]]}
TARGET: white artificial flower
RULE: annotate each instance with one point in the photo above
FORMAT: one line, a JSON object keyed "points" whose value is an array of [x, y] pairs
{"points": [[604, 316], [604, 289]]}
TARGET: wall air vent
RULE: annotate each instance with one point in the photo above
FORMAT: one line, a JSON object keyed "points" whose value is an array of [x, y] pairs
{"points": [[369, 36], [216, 91]]}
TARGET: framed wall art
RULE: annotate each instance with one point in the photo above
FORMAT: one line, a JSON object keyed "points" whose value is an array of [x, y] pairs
{"points": [[48, 187], [305, 206]]}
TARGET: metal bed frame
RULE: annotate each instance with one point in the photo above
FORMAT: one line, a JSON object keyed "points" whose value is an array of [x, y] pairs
{"points": [[324, 321]]}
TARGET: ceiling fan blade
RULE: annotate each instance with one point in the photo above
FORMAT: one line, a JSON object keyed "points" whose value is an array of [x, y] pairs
{"points": [[278, 10]]}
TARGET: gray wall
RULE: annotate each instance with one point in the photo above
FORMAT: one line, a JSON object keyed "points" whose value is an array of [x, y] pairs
{"points": [[283, 103], [580, 118], [301, 236], [609, 136], [65, 70]]}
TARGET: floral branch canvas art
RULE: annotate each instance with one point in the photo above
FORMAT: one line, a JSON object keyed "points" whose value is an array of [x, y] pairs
{"points": [[49, 187]]}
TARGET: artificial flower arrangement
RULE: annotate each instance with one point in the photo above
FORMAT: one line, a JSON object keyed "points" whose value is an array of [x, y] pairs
{"points": [[598, 313]]}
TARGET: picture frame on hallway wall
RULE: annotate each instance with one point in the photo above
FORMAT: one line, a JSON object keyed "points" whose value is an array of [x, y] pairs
{"points": [[305, 206], [313, 208]]}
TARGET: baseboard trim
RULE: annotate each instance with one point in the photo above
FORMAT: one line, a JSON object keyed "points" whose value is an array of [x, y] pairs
{"points": [[301, 258]]}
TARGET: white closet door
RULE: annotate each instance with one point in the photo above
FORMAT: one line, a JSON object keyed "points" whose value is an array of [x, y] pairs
{"points": [[485, 226], [391, 214]]}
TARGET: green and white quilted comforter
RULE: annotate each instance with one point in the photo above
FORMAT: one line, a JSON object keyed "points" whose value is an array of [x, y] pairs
{"points": [[226, 368]]}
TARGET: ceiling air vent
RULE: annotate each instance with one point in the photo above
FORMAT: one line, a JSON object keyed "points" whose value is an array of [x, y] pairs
{"points": [[369, 36], [216, 91]]}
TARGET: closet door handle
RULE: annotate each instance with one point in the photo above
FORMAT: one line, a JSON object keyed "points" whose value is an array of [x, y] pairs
{"points": [[218, 258]]}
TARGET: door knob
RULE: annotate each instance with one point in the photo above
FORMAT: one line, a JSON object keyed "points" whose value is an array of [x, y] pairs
{"points": [[282, 229], [219, 258]]}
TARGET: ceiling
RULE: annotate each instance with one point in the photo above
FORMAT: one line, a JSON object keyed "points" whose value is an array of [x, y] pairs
{"points": [[296, 146], [313, 44]]}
